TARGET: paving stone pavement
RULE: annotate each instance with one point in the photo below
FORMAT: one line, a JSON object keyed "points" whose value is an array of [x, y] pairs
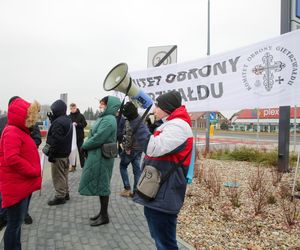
{"points": [[67, 226]]}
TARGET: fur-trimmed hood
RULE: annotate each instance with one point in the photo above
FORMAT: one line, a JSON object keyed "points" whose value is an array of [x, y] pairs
{"points": [[32, 114], [23, 114]]}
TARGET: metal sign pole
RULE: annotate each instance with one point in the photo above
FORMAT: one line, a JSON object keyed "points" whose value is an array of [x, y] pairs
{"points": [[295, 127], [284, 111], [257, 127], [208, 53], [295, 177]]}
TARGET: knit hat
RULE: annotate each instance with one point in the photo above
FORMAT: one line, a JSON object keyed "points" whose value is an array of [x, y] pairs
{"points": [[130, 111], [170, 101]]}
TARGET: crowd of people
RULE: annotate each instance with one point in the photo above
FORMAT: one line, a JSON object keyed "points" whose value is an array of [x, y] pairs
{"points": [[163, 141]]}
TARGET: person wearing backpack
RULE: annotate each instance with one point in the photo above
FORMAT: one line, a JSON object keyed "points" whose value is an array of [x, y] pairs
{"points": [[135, 137]]}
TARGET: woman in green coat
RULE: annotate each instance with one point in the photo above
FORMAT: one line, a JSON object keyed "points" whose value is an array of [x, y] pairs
{"points": [[97, 171]]}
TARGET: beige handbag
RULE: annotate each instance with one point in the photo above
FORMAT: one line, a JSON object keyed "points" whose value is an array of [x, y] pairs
{"points": [[150, 180], [149, 183]]}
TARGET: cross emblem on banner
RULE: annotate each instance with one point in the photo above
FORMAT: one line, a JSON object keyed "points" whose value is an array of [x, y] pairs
{"points": [[279, 80], [267, 68]]}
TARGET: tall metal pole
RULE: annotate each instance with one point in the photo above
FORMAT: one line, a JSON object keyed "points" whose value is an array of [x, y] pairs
{"points": [[208, 28], [208, 53], [257, 127], [295, 126], [284, 111]]}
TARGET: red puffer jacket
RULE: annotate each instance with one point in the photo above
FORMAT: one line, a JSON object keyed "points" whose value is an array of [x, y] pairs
{"points": [[20, 169]]}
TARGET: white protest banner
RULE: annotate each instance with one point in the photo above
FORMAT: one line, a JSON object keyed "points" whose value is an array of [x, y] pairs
{"points": [[73, 154], [43, 160], [262, 75]]}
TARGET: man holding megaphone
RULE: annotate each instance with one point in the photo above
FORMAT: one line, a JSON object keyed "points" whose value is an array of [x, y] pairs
{"points": [[168, 157]]}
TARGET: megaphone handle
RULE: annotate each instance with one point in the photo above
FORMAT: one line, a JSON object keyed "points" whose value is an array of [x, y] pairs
{"points": [[122, 104]]}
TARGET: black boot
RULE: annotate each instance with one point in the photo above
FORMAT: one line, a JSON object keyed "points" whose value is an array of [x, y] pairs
{"points": [[101, 220], [56, 201], [67, 197], [28, 219], [103, 215], [95, 217]]}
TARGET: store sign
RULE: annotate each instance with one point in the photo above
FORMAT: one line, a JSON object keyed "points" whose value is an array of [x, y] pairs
{"points": [[269, 113]]}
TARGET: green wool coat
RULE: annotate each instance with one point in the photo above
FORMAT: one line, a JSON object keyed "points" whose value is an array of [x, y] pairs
{"points": [[97, 171]]}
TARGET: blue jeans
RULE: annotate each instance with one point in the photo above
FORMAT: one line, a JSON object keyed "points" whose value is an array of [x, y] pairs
{"points": [[15, 218], [3, 211], [135, 159], [162, 227]]}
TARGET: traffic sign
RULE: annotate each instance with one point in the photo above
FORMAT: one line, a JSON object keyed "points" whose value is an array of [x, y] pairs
{"points": [[155, 54], [212, 116]]}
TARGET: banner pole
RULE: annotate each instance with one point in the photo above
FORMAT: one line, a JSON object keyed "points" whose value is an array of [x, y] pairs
{"points": [[295, 126], [284, 111], [208, 53], [257, 127]]}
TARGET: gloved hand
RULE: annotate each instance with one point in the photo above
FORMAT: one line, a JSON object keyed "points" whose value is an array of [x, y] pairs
{"points": [[46, 149], [51, 159], [85, 152], [150, 119]]}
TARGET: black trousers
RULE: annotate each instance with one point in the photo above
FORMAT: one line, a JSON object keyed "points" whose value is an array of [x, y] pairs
{"points": [[81, 154]]}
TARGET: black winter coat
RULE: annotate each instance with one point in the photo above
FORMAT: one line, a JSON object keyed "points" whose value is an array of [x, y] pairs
{"points": [[60, 132], [81, 124]]}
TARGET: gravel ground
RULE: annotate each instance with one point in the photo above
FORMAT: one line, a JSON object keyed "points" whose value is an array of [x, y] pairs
{"points": [[218, 217]]}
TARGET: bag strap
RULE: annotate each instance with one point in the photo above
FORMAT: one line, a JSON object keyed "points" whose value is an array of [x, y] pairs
{"points": [[177, 165]]}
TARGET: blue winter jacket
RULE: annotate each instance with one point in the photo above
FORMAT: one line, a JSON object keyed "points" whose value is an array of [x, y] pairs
{"points": [[171, 143]]}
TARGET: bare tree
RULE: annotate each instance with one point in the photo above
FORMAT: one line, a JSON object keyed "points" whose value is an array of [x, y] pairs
{"points": [[258, 190], [234, 196], [276, 176], [289, 210], [213, 181]]}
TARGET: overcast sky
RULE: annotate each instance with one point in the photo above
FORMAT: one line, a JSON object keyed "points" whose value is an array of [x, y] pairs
{"points": [[57, 46]]}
